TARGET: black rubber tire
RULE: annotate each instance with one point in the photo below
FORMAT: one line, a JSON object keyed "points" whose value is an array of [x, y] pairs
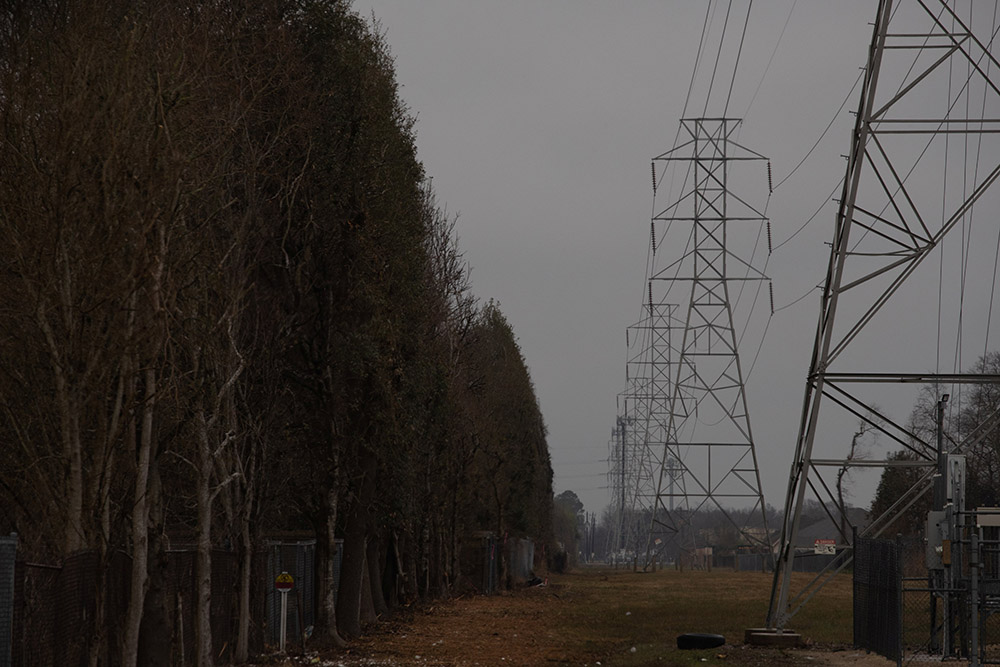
{"points": [[695, 640]]}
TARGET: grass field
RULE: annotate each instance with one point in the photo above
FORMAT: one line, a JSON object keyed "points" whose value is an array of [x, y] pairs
{"points": [[648, 611], [614, 617]]}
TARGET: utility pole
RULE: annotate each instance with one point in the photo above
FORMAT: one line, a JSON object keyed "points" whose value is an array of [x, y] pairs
{"points": [[940, 479]]}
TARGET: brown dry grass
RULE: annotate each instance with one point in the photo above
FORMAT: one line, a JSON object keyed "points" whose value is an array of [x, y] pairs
{"points": [[598, 616]]}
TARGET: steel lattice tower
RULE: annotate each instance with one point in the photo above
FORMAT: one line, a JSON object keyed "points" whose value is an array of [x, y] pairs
{"points": [[640, 433], [709, 459], [896, 208]]}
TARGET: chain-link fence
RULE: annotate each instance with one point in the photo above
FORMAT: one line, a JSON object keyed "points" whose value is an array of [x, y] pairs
{"points": [[878, 586], [297, 558], [71, 612], [969, 623], [479, 561], [181, 594], [57, 610], [54, 611]]}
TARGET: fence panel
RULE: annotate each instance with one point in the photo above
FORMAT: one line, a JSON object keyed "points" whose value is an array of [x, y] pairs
{"points": [[522, 560], [54, 608], [878, 597]]}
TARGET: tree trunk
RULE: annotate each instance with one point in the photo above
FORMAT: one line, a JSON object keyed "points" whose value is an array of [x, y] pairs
{"points": [[246, 568], [74, 500], [373, 556], [455, 564], [391, 574], [436, 587], [355, 544], [203, 560], [140, 527], [367, 615], [154, 639], [352, 574], [425, 560], [69, 425], [409, 566], [327, 580]]}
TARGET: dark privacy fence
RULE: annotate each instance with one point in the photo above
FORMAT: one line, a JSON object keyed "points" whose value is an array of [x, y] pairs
{"points": [[878, 597]]}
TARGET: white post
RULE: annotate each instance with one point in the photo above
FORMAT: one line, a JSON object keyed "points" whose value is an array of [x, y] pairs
{"points": [[284, 620]]}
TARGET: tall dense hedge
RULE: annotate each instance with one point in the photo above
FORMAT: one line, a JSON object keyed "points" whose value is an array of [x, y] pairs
{"points": [[230, 303]]}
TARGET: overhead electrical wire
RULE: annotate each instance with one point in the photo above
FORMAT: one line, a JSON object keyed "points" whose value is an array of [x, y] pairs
{"points": [[739, 53], [795, 301], [996, 258], [968, 215], [718, 57], [767, 67], [823, 133], [966, 228], [944, 204], [813, 216]]}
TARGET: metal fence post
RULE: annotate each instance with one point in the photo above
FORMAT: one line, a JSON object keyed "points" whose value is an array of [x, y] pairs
{"points": [[899, 599], [974, 599], [8, 555]]}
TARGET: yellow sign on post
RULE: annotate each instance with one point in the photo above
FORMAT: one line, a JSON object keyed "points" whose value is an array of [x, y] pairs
{"points": [[284, 582]]}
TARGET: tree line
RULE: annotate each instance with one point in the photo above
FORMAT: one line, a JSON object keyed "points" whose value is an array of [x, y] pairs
{"points": [[232, 305], [971, 407]]}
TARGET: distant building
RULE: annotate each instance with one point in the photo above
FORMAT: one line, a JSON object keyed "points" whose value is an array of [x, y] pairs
{"points": [[826, 529]]}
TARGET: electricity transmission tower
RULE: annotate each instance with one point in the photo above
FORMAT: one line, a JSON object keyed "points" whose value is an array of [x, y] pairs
{"points": [[640, 433], [923, 158], [708, 460]]}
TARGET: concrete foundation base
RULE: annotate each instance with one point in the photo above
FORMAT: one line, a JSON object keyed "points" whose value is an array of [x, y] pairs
{"points": [[772, 637]]}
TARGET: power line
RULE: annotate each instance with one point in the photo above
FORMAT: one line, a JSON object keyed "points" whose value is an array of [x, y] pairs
{"points": [[739, 52], [767, 68], [718, 56]]}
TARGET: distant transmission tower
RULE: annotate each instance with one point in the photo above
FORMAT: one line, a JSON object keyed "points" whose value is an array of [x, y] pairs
{"points": [[708, 459], [641, 429], [897, 300]]}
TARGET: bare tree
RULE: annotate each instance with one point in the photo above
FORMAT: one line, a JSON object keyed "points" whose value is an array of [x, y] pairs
{"points": [[859, 450]]}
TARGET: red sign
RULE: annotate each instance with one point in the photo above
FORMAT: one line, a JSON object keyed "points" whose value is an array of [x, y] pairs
{"points": [[828, 547]]}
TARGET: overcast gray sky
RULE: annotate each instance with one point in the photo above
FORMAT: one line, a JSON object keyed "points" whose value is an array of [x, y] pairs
{"points": [[537, 120]]}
